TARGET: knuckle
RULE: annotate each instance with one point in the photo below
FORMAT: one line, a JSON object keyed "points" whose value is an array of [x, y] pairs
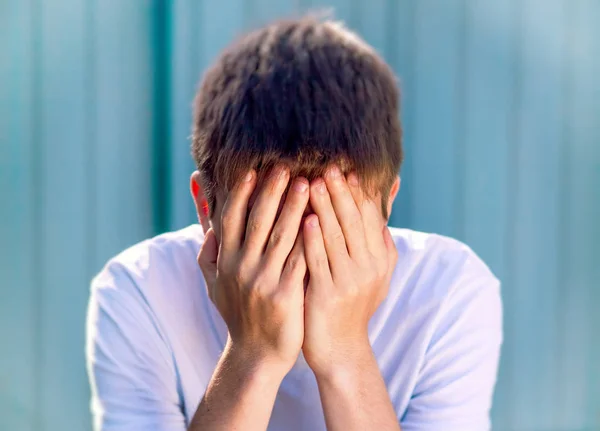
{"points": [[337, 236], [241, 274], [293, 262], [258, 283], [253, 293], [254, 225], [277, 237], [222, 266], [321, 263], [280, 300], [239, 278], [380, 269]]}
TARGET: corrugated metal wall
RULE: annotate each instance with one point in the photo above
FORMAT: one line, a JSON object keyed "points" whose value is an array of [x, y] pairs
{"points": [[501, 106]]}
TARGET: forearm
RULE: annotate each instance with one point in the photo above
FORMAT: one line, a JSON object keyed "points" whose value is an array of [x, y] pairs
{"points": [[240, 395], [354, 396]]}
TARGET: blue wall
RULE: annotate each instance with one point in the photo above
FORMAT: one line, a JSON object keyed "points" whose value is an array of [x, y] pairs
{"points": [[501, 108]]}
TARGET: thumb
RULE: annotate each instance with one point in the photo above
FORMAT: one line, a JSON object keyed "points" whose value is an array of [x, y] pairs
{"points": [[207, 259]]}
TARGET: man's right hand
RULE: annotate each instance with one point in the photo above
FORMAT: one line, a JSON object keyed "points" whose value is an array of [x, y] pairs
{"points": [[255, 277]]}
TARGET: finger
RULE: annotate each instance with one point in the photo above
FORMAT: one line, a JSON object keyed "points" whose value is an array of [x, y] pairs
{"points": [[233, 217], [264, 211], [286, 228], [207, 259], [316, 256], [333, 236], [347, 213], [295, 266], [371, 217]]}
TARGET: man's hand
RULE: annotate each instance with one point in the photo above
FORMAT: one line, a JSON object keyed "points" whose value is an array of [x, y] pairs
{"points": [[256, 281], [351, 257]]}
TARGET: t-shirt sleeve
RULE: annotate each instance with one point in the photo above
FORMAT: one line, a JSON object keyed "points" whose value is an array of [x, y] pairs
{"points": [[456, 383], [131, 370]]}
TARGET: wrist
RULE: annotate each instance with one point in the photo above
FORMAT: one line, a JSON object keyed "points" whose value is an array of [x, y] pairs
{"points": [[347, 363], [254, 365]]}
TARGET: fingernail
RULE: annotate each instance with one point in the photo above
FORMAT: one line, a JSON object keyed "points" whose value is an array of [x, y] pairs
{"points": [[334, 172], [300, 186], [249, 176], [313, 221]]}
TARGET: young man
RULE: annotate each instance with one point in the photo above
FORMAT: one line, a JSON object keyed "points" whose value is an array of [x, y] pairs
{"points": [[292, 305]]}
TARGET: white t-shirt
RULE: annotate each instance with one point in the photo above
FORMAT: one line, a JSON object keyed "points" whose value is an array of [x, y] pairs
{"points": [[154, 338]]}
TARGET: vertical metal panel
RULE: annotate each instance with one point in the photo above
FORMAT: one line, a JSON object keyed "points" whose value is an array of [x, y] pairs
{"points": [[76, 180], [576, 252], [19, 209], [588, 237], [65, 250], [490, 77], [262, 11], [400, 52], [185, 73], [372, 22], [580, 231], [437, 127], [535, 246], [121, 139]]}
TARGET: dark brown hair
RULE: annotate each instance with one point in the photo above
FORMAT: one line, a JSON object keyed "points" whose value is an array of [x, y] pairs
{"points": [[305, 92]]}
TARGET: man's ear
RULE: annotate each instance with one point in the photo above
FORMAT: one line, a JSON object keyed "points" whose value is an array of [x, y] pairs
{"points": [[393, 193], [200, 201]]}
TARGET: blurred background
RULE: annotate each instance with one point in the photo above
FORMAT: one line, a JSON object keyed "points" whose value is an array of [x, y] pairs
{"points": [[501, 109]]}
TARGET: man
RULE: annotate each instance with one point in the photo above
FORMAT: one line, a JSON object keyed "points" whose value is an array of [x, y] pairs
{"points": [[292, 305]]}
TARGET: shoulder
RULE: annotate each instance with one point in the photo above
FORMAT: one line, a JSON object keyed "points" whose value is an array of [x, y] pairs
{"points": [[164, 256], [157, 281], [455, 304], [149, 291], [438, 260], [132, 321], [442, 280]]}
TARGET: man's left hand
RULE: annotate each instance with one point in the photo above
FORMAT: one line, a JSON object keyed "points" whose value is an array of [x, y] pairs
{"points": [[351, 257]]}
